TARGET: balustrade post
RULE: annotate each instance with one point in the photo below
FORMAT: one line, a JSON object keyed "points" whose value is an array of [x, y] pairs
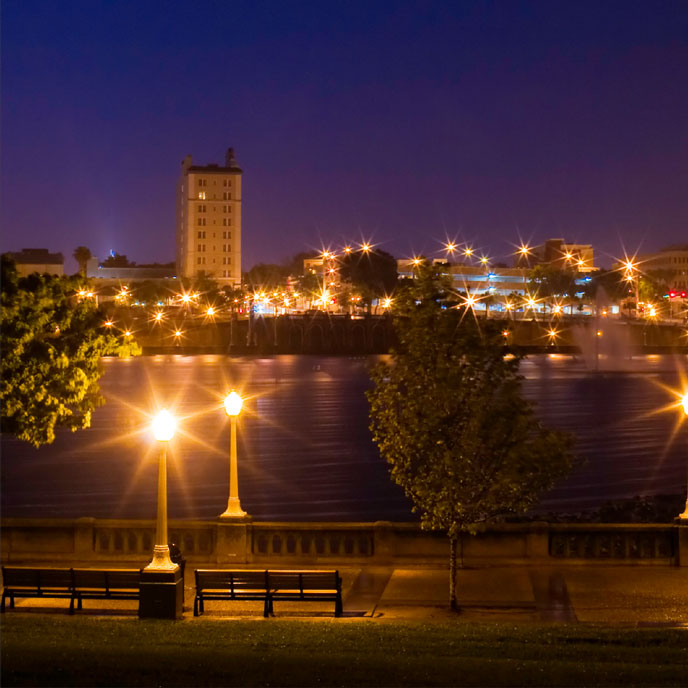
{"points": [[682, 544], [383, 541], [537, 541], [233, 542], [84, 538]]}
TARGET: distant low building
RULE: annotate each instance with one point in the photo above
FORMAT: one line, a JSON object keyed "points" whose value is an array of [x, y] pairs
{"points": [[95, 270], [474, 279], [672, 260], [30, 260], [559, 253]]}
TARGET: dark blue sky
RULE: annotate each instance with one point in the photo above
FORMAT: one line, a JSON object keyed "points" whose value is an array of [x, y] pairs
{"points": [[397, 121]]}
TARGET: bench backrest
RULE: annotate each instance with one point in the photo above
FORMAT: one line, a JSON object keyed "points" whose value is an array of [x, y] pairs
{"points": [[123, 579], [36, 578], [304, 580], [107, 579], [209, 579]]}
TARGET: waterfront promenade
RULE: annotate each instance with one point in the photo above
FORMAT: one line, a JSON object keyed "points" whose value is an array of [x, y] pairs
{"points": [[624, 596]]}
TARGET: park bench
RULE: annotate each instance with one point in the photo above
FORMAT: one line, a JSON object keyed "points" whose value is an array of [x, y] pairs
{"points": [[267, 586], [105, 584], [312, 586], [75, 584], [36, 582], [215, 584]]}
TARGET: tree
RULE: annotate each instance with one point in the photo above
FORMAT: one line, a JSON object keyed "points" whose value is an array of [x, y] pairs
{"points": [[294, 265], [448, 415], [551, 282], [82, 255], [118, 260], [150, 292], [266, 276], [372, 274], [52, 342]]}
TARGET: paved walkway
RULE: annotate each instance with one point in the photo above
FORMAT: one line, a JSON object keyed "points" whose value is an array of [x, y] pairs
{"points": [[621, 595]]}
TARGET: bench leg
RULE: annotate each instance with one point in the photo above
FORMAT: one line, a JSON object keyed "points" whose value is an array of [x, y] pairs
{"points": [[80, 601], [196, 605], [4, 595], [266, 608], [338, 606], [71, 604]]}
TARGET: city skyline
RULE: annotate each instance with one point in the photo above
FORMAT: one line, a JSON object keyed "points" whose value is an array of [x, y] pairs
{"points": [[403, 124]]}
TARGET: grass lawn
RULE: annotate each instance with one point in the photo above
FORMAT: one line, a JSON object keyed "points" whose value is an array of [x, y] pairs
{"points": [[46, 650]]}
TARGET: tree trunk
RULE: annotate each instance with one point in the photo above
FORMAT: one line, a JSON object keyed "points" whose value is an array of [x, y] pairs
{"points": [[452, 574]]}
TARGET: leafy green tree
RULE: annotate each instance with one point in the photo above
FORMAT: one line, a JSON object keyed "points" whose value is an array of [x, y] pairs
{"points": [[294, 265], [119, 260], [151, 292], [551, 282], [52, 342], [82, 255], [267, 276], [448, 415], [654, 284], [372, 274]]}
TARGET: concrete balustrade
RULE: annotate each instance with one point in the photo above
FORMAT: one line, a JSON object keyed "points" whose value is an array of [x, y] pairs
{"points": [[85, 540]]}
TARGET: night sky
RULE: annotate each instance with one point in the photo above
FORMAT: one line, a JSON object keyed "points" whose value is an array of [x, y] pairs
{"points": [[400, 122]]}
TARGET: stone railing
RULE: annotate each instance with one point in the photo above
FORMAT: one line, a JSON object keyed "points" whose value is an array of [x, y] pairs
{"points": [[312, 541], [132, 538], [613, 543], [380, 543]]}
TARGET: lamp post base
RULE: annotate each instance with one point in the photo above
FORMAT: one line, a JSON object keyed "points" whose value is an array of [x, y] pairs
{"points": [[161, 594], [234, 512], [161, 560]]}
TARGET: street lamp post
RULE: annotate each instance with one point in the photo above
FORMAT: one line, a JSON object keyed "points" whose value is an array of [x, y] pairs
{"points": [[162, 587], [163, 430], [233, 403]]}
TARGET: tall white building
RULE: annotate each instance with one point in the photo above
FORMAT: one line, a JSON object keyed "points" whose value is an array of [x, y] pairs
{"points": [[209, 220]]}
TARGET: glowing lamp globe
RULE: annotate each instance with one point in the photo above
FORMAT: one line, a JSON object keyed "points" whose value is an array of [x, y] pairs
{"points": [[164, 426], [233, 404], [684, 403]]}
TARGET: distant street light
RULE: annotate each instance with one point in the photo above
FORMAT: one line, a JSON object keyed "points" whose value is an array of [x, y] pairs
{"points": [[164, 426], [233, 403]]}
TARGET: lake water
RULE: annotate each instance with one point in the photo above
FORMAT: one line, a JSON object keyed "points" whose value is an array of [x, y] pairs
{"points": [[305, 451]]}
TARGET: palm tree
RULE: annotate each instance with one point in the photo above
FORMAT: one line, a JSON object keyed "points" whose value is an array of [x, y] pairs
{"points": [[82, 255]]}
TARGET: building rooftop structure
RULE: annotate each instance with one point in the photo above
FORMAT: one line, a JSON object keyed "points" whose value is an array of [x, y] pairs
{"points": [[95, 270], [476, 279], [30, 260], [559, 253], [672, 260]]}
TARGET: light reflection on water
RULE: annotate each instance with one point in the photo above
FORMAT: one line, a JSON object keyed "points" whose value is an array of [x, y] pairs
{"points": [[304, 446]]}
